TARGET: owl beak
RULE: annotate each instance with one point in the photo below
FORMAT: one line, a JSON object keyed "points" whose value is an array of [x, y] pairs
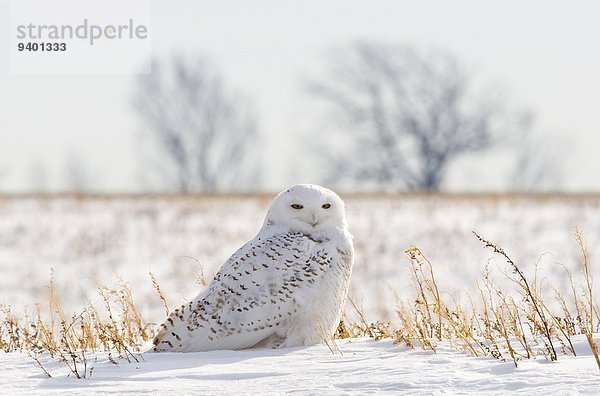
{"points": [[314, 220]]}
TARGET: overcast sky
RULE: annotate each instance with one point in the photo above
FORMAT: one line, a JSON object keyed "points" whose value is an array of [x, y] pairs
{"points": [[544, 54]]}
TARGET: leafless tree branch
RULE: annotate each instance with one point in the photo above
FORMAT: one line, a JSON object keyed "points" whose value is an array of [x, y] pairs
{"points": [[209, 135], [408, 115]]}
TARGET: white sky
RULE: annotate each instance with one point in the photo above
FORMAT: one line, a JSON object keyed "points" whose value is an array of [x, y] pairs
{"points": [[545, 54]]}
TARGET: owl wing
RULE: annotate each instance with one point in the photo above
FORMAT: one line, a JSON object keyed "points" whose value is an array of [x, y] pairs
{"points": [[253, 293]]}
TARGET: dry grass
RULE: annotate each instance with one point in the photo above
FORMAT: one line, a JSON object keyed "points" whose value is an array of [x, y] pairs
{"points": [[115, 326], [512, 324], [507, 324], [584, 302]]}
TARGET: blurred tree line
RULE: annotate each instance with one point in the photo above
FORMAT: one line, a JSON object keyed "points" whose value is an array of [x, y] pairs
{"points": [[397, 119], [400, 118]]}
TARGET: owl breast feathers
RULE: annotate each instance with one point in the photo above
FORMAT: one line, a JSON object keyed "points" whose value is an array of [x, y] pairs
{"points": [[286, 287]]}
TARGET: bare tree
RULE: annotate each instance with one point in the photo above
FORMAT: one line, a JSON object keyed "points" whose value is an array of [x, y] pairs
{"points": [[209, 136], [76, 174], [406, 115], [3, 173], [539, 164], [38, 176]]}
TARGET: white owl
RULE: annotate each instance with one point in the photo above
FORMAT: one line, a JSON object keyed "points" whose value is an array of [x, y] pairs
{"points": [[286, 287]]}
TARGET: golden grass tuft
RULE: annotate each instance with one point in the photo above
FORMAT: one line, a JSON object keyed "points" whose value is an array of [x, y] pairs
{"points": [[512, 324], [116, 327], [507, 324]]}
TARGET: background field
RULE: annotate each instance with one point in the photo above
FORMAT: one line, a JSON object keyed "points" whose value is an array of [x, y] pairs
{"points": [[180, 238]]}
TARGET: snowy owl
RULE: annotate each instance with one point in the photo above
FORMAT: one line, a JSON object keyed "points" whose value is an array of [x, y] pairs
{"points": [[286, 287]]}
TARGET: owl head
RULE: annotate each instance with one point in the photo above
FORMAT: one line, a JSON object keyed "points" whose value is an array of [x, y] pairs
{"points": [[307, 208]]}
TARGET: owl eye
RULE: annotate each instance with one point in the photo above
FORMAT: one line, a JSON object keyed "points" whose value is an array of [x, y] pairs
{"points": [[297, 206], [326, 206]]}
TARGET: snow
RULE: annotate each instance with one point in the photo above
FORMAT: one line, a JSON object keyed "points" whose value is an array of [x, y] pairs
{"points": [[177, 238], [362, 366]]}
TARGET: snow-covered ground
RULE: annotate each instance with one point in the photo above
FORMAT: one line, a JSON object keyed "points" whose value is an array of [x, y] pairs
{"points": [[362, 366], [178, 238]]}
